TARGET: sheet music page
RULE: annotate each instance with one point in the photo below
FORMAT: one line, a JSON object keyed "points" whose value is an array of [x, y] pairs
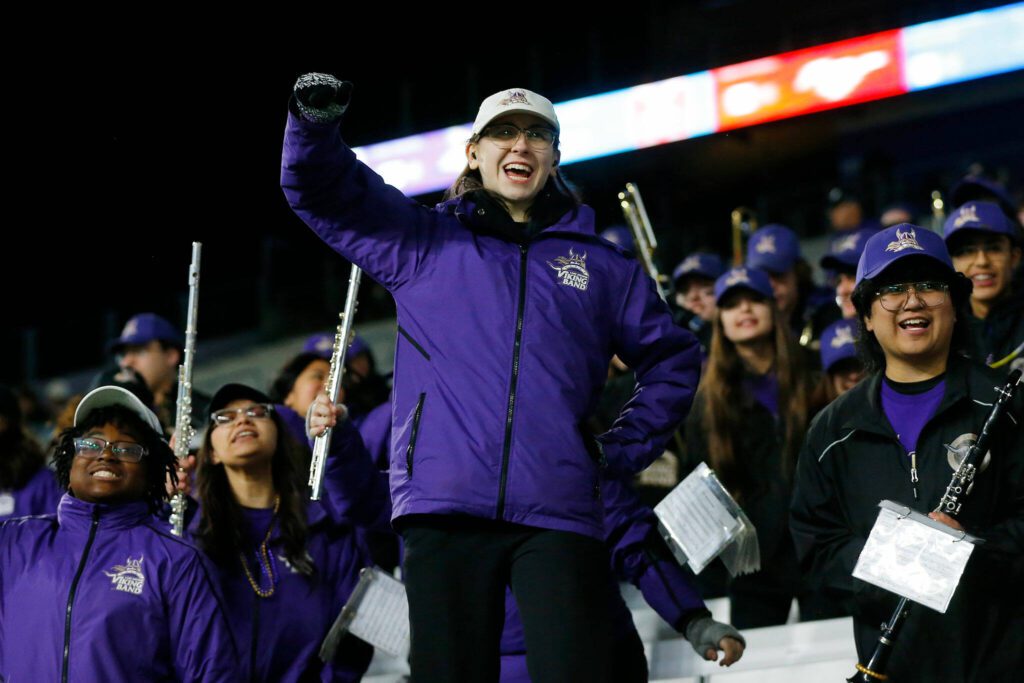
{"points": [[911, 558], [382, 616], [697, 519]]}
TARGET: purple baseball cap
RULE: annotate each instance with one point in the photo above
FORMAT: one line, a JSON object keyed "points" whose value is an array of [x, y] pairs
{"points": [[620, 235], [743, 278], [892, 244], [701, 265], [838, 342], [144, 328], [975, 187], [845, 249], [774, 248], [977, 215]]}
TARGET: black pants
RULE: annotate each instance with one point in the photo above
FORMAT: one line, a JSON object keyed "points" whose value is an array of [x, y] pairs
{"points": [[456, 573]]}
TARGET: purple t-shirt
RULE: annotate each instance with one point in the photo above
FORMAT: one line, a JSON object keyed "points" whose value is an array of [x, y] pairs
{"points": [[910, 405], [765, 390]]}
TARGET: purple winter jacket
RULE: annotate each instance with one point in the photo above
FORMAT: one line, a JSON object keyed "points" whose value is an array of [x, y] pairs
{"points": [[279, 637], [37, 497], [104, 593], [503, 348]]}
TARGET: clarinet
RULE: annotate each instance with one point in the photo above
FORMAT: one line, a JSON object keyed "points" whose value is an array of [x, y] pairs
{"points": [[183, 429], [342, 339], [959, 486]]}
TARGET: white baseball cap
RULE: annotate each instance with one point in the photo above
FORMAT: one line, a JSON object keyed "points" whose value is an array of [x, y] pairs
{"points": [[103, 397], [514, 101]]}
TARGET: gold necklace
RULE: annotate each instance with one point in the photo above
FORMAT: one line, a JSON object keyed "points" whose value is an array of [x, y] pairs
{"points": [[263, 557]]}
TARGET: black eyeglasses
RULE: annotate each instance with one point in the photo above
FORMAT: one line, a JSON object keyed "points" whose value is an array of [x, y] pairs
{"points": [[92, 447], [504, 135], [256, 411], [894, 297]]}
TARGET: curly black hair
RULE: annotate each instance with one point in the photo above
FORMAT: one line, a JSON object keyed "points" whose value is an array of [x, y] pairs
{"points": [[911, 269], [159, 461]]}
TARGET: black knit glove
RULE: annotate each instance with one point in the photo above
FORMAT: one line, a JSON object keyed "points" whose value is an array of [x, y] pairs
{"points": [[321, 98]]}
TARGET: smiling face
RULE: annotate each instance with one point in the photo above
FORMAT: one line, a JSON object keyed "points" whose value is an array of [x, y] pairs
{"points": [[915, 337], [515, 175], [245, 443], [988, 260], [745, 316], [104, 479]]}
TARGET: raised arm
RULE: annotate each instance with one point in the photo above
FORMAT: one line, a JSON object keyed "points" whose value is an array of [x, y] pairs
{"points": [[349, 206]]}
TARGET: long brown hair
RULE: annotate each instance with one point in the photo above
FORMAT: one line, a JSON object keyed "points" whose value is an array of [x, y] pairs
{"points": [[721, 391], [221, 521]]}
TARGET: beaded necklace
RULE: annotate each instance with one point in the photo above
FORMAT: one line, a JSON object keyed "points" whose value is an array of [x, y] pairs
{"points": [[263, 558]]}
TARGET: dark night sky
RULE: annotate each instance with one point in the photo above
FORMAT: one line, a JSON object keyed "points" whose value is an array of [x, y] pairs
{"points": [[143, 141]]}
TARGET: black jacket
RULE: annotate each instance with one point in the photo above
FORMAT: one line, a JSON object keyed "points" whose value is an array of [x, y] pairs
{"points": [[851, 460], [1000, 333]]}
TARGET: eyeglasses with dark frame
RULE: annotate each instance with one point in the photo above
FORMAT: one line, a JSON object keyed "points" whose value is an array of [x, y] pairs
{"points": [[225, 416], [92, 447], [894, 297], [504, 135]]}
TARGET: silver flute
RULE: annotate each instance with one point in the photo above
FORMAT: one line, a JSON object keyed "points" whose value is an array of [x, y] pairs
{"points": [[183, 429], [342, 339]]}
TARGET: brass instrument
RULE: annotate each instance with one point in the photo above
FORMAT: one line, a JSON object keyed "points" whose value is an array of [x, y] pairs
{"points": [[644, 240], [183, 429], [744, 223], [938, 211], [342, 339]]}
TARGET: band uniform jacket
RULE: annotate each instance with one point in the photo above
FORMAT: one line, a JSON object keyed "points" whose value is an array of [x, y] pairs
{"points": [[503, 346], [851, 460]]}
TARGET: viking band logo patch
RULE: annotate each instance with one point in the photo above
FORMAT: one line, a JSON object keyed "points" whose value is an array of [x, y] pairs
{"points": [[514, 97], [128, 577], [844, 336], [906, 239], [968, 214], [765, 245], [572, 270]]}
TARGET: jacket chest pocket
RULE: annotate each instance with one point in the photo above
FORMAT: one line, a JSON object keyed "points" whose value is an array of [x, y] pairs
{"points": [[411, 448]]}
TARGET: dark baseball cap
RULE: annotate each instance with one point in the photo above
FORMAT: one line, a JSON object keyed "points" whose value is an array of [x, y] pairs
{"points": [[774, 248], [898, 242], [838, 342], [844, 249], [978, 215], [698, 265], [232, 392], [144, 328], [743, 278]]}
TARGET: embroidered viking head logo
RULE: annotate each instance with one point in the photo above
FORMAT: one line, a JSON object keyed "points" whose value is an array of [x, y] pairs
{"points": [[844, 336], [968, 214], [131, 328], [690, 263], [905, 239], [572, 270], [324, 345], [848, 243], [765, 245], [736, 277], [514, 97], [128, 577]]}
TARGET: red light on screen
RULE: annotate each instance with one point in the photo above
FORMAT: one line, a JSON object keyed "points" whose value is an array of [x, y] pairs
{"points": [[804, 81]]}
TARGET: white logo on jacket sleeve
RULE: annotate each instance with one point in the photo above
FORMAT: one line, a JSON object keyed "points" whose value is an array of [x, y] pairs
{"points": [[906, 239], [572, 270], [128, 577]]}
